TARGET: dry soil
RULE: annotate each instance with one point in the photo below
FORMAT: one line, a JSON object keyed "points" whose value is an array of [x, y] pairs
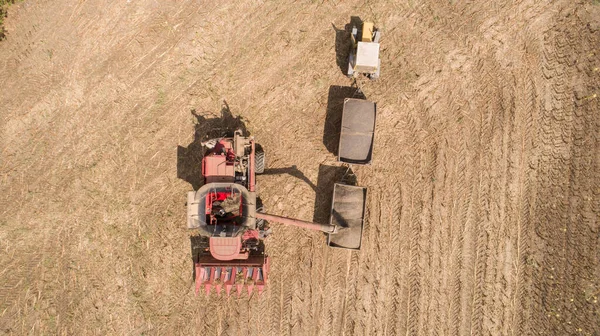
{"points": [[483, 195]]}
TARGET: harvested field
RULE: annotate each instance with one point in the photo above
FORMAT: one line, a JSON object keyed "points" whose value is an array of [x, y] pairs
{"points": [[483, 194]]}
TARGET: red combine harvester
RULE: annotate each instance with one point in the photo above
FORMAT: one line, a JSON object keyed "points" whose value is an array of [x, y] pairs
{"points": [[229, 250]]}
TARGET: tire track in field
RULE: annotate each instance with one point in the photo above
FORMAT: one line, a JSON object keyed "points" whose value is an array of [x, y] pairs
{"points": [[414, 210], [318, 262], [364, 291], [519, 99], [234, 318], [460, 206], [395, 224], [496, 228], [13, 275], [33, 269], [444, 104], [301, 315], [525, 111], [427, 138], [351, 295], [371, 282], [285, 308], [531, 108], [428, 233], [319, 276], [280, 294], [333, 291], [391, 214], [477, 224], [482, 217], [450, 212], [255, 321], [300, 293], [580, 246], [510, 272], [430, 141], [584, 174], [381, 225], [567, 176], [550, 137], [382, 228], [508, 136], [438, 246]]}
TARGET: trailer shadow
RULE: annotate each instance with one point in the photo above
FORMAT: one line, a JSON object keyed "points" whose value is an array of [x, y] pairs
{"points": [[343, 43], [328, 177], [333, 118], [189, 159]]}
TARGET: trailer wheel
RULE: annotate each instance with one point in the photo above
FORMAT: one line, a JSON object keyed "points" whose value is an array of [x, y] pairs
{"points": [[259, 160]]}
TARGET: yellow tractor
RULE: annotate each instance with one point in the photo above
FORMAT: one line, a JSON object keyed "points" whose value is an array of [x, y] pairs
{"points": [[364, 53]]}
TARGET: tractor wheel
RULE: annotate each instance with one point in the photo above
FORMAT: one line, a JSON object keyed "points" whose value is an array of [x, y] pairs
{"points": [[259, 160]]}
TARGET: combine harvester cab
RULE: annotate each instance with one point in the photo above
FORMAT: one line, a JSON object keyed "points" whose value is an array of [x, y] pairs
{"points": [[229, 251]]}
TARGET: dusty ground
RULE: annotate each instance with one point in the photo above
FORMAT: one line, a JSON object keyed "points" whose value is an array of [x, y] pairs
{"points": [[483, 196]]}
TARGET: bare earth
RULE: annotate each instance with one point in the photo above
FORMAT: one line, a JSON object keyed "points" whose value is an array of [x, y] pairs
{"points": [[483, 196]]}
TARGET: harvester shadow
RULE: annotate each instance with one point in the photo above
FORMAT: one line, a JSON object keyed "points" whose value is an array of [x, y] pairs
{"points": [[343, 43], [189, 159], [333, 117], [293, 171], [328, 177]]}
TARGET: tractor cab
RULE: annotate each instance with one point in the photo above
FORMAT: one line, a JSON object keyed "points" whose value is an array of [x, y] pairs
{"points": [[364, 55]]}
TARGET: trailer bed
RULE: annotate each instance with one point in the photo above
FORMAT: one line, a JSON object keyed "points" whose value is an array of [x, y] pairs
{"points": [[347, 212], [357, 133]]}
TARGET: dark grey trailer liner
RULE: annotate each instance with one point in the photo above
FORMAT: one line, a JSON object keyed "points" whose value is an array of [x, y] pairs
{"points": [[347, 212], [357, 132]]}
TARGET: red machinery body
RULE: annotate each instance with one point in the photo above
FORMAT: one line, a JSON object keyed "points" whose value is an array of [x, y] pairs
{"points": [[229, 252]]}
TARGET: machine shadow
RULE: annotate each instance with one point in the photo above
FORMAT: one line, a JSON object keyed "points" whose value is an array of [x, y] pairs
{"points": [[343, 43], [333, 117], [293, 171], [189, 159], [328, 177]]}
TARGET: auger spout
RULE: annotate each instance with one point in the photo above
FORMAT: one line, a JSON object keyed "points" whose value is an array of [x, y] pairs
{"points": [[297, 222]]}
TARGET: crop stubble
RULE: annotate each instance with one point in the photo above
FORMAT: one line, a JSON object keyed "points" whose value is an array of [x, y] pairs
{"points": [[483, 194]]}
